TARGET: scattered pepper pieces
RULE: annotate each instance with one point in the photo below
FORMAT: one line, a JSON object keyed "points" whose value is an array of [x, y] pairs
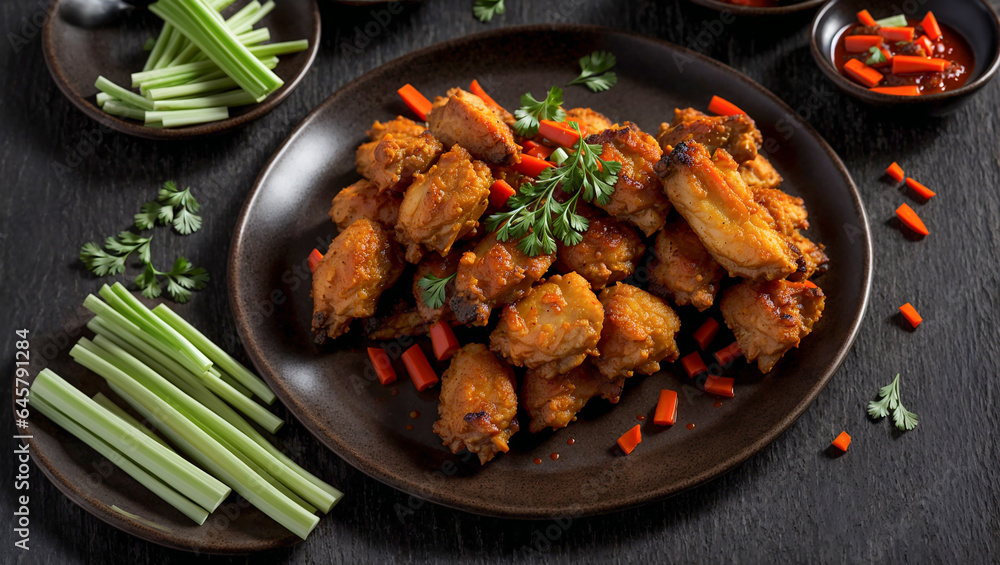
{"points": [[721, 386], [383, 367], [693, 364], [630, 439], [920, 190], [314, 258], [723, 107], [728, 354], [911, 315], [706, 333], [842, 442], [421, 373], [444, 341], [666, 409], [415, 101], [895, 172], [911, 220]]}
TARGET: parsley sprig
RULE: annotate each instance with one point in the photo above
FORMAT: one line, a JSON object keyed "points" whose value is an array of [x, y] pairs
{"points": [[484, 10], [172, 206], [434, 289], [889, 401], [537, 218], [532, 111], [181, 280], [594, 71], [875, 56], [103, 263]]}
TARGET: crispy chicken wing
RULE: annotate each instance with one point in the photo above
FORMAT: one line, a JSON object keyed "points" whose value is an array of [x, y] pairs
{"points": [[711, 195], [736, 134], [440, 267], [363, 200], [638, 332], [789, 216], [554, 403], [590, 122], [443, 204], [638, 197], [683, 270], [364, 158], [361, 263], [769, 318], [478, 409], [553, 328], [759, 173], [494, 272], [464, 119], [395, 325], [608, 253], [398, 157]]}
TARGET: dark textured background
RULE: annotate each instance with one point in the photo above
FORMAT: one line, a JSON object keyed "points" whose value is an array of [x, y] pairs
{"points": [[928, 495]]}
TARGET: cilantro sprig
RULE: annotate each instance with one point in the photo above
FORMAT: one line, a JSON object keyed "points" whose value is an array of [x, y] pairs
{"points": [[889, 402], [537, 219], [532, 111], [434, 289], [875, 56], [172, 206], [181, 279], [594, 71], [112, 261], [484, 10]]}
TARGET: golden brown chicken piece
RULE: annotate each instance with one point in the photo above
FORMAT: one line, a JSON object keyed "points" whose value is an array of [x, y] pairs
{"points": [[638, 333], [759, 173], [494, 272], [789, 216], [590, 122], [711, 195], [608, 253], [769, 318], [478, 409], [439, 267], [364, 158], [638, 197], [553, 328], [683, 270], [395, 325], [464, 119], [443, 204], [363, 200], [554, 403], [398, 157], [736, 134], [361, 263]]}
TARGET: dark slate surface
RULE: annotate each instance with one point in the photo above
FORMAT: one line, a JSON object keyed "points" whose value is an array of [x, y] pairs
{"points": [[926, 496]]}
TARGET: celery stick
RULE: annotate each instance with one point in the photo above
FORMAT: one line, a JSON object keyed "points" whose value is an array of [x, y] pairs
{"points": [[254, 18], [899, 20], [148, 480], [216, 353], [229, 99], [254, 36], [191, 89], [282, 48], [116, 108], [163, 391], [170, 51], [200, 67], [121, 413], [158, 47], [181, 118], [182, 476], [127, 96], [214, 371], [102, 98], [251, 409]]}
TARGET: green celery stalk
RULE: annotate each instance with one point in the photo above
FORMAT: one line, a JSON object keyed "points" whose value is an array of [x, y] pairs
{"points": [[899, 20], [170, 51], [127, 96], [108, 404], [117, 108], [158, 47], [253, 18], [229, 99], [282, 48], [148, 480], [103, 97], [181, 118]]}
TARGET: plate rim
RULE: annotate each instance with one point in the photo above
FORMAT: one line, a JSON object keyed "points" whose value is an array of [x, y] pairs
{"points": [[212, 128], [234, 286]]}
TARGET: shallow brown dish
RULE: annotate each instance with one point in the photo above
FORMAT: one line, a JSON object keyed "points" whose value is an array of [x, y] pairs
{"points": [[76, 57], [975, 20], [761, 11], [332, 389]]}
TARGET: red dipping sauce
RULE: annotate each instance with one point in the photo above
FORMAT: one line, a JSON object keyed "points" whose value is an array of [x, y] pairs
{"points": [[950, 46]]}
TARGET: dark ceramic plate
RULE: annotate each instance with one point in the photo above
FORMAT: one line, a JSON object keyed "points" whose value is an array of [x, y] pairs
{"points": [[77, 56], [97, 486], [974, 20], [785, 9], [332, 389]]}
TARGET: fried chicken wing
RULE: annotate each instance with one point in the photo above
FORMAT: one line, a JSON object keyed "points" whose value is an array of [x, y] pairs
{"points": [[711, 195], [363, 200], [553, 328], [494, 272], [361, 263], [736, 134], [590, 122], [443, 204], [759, 173], [789, 216], [364, 158], [464, 119], [769, 318], [478, 409], [638, 333], [638, 197], [440, 267], [395, 325], [608, 253], [554, 403], [398, 157], [683, 269]]}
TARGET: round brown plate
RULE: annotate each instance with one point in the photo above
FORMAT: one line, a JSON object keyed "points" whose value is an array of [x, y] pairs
{"points": [[785, 9], [97, 486], [77, 56], [332, 388]]}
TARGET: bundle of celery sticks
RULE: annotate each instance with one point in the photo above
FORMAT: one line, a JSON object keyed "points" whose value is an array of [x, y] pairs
{"points": [[200, 65], [198, 397]]}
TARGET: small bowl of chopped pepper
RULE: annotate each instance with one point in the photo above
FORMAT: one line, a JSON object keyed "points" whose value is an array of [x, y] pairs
{"points": [[933, 55]]}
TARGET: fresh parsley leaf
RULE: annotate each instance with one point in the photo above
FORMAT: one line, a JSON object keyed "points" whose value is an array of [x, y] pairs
{"points": [[186, 223], [537, 219], [889, 402], [484, 10], [531, 111], [148, 282], [434, 289], [876, 56], [146, 218], [181, 279], [185, 218], [112, 261], [594, 71]]}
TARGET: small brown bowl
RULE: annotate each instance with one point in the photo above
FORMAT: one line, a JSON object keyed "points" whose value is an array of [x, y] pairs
{"points": [[974, 20], [76, 57], [761, 11]]}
